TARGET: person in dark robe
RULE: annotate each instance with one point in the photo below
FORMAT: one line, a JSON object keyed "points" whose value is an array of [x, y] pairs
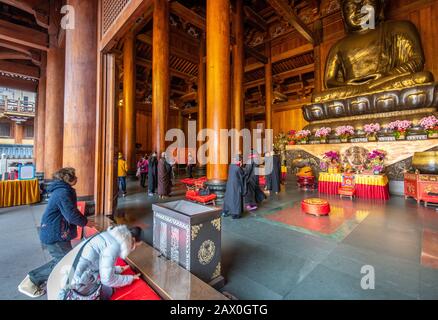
{"points": [[152, 174], [233, 200], [273, 170], [254, 195], [164, 177], [268, 171]]}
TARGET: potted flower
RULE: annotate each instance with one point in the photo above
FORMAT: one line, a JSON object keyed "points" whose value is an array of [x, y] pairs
{"points": [[400, 128], [371, 131], [330, 162], [322, 134], [376, 158], [302, 136], [344, 132], [430, 124], [292, 138]]}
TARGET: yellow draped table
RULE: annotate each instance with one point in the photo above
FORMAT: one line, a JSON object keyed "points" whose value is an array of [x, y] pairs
{"points": [[367, 186], [19, 192]]}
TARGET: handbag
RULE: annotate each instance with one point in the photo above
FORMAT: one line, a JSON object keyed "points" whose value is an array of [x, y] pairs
{"points": [[68, 293], [138, 173]]}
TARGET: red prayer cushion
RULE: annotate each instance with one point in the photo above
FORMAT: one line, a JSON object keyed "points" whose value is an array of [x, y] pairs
{"points": [[137, 290]]}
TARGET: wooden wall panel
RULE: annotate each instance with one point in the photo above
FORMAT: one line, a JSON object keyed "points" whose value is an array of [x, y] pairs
{"points": [[288, 120]]}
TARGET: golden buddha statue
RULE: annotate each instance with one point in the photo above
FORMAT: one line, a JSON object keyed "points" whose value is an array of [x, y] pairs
{"points": [[367, 60]]}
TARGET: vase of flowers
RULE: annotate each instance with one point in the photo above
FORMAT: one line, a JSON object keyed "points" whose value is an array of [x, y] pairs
{"points": [[302, 136], [430, 124], [280, 142], [400, 127], [330, 162], [376, 160], [371, 131], [292, 140], [322, 134], [344, 133]]}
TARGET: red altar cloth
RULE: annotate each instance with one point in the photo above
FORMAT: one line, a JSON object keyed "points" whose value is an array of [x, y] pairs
{"points": [[138, 290], [367, 186]]}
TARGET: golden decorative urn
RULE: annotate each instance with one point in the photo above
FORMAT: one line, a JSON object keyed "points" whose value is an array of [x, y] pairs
{"points": [[426, 162]]}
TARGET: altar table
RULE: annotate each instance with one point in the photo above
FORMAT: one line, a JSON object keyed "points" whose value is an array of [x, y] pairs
{"points": [[19, 192], [367, 186]]}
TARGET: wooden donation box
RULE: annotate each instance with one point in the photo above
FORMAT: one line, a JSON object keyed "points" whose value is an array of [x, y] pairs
{"points": [[190, 234], [422, 187]]}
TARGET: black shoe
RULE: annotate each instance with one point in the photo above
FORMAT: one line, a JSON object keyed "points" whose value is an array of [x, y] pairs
{"points": [[236, 217], [225, 214]]}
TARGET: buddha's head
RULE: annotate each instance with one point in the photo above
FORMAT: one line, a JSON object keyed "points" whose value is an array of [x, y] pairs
{"points": [[354, 12]]}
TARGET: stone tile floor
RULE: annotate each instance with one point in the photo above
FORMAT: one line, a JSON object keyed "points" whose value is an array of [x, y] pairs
{"points": [[265, 258]]}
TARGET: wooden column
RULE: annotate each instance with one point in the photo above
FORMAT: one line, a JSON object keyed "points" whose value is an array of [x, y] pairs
{"points": [[238, 70], [201, 92], [268, 87], [54, 122], [18, 133], [129, 100], [160, 74], [80, 95], [218, 88], [40, 117]]}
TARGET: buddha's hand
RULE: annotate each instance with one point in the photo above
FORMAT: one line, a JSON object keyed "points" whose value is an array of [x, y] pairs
{"points": [[365, 80]]}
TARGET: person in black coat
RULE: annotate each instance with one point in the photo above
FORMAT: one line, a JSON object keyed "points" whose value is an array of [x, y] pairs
{"points": [[233, 200], [273, 172], [152, 174], [254, 195], [58, 227]]}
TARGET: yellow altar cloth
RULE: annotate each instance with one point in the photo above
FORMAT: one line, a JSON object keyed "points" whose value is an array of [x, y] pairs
{"points": [[19, 192], [370, 180]]}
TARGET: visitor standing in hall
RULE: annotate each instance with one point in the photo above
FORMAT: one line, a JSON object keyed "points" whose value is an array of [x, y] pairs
{"points": [[58, 227], [152, 174], [190, 165], [273, 172], [254, 195], [142, 169], [235, 190], [164, 177], [122, 173]]}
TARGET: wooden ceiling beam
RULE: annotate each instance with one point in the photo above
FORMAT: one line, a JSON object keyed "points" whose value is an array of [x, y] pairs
{"points": [[295, 72], [148, 64], [293, 53], [173, 51], [19, 84], [282, 8], [188, 15], [255, 19], [40, 18], [257, 55], [19, 69], [23, 35]]}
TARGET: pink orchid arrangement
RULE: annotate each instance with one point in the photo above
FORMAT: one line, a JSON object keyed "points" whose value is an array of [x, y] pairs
{"points": [[376, 159], [303, 134], [330, 160], [344, 131], [323, 132], [372, 128], [430, 123], [400, 125]]}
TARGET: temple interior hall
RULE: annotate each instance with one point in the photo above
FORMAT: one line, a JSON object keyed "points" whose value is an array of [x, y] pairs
{"points": [[328, 191]]}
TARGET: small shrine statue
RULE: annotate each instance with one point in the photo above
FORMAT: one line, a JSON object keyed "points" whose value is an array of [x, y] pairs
{"points": [[367, 60]]}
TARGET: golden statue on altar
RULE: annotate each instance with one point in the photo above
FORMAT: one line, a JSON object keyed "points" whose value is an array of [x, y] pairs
{"points": [[373, 69]]}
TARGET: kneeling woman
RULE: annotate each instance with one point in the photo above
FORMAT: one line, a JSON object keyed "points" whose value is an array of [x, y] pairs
{"points": [[95, 273]]}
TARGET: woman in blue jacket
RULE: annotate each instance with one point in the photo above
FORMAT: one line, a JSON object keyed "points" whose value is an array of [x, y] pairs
{"points": [[58, 227]]}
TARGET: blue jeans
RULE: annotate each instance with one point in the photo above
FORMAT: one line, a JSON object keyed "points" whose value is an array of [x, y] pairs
{"points": [[122, 184], [57, 250]]}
